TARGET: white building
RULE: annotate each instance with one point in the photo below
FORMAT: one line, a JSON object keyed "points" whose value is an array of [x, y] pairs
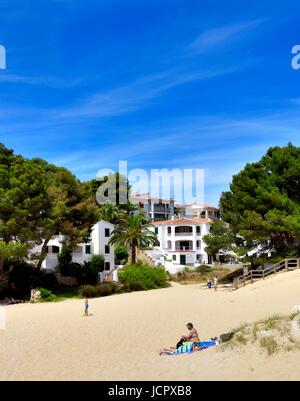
{"points": [[99, 245], [155, 208], [201, 211], [181, 240]]}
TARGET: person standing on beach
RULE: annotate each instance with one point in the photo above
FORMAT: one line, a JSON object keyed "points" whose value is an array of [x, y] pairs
{"points": [[86, 307], [216, 282]]}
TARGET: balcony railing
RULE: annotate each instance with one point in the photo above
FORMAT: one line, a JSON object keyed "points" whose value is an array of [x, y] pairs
{"points": [[159, 209], [184, 234], [184, 248]]}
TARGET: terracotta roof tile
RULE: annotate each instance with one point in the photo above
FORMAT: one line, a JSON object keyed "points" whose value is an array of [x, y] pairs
{"points": [[182, 221]]}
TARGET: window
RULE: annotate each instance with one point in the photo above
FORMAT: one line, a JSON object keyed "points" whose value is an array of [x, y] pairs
{"points": [[55, 249], [107, 249], [52, 249], [198, 230], [78, 250], [169, 230], [156, 230], [107, 232], [107, 265], [174, 258], [88, 249]]}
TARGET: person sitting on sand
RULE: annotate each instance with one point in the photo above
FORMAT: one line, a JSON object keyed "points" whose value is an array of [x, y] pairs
{"points": [[192, 336]]}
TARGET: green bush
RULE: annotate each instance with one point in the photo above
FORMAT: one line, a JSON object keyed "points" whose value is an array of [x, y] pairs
{"points": [[89, 291], [101, 290], [22, 277], [64, 261], [97, 263], [134, 286], [121, 254], [45, 293], [90, 270], [203, 269], [143, 277]]}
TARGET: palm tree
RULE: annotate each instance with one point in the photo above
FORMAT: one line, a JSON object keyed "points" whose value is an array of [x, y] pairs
{"points": [[111, 213], [133, 232]]}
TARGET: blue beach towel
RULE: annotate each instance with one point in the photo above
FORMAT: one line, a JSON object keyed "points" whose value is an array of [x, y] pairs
{"points": [[187, 347]]}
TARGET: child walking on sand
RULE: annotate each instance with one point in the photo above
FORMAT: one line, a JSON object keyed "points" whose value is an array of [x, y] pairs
{"points": [[86, 307]]}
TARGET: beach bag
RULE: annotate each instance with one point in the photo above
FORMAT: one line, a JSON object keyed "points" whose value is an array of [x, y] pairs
{"points": [[226, 337]]}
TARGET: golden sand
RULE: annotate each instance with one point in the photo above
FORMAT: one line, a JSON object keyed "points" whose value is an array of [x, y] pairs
{"points": [[122, 339]]}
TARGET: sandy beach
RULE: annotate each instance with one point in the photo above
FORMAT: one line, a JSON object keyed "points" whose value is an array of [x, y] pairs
{"points": [[122, 339]]}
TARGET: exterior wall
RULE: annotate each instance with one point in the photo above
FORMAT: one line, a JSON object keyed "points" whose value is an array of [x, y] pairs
{"points": [[156, 209], [80, 255], [194, 255], [100, 241], [206, 212]]}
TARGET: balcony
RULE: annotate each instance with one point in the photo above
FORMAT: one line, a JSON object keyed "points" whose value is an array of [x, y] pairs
{"points": [[184, 248], [161, 209]]}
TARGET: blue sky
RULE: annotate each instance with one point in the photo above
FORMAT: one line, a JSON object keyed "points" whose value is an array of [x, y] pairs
{"points": [[160, 83]]}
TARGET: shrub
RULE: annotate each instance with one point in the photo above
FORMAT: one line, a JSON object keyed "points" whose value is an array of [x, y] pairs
{"points": [[121, 254], [90, 270], [203, 269], [106, 289], [134, 286], [89, 291], [97, 263], [143, 277], [45, 293], [101, 290], [85, 274], [64, 260], [45, 280]]}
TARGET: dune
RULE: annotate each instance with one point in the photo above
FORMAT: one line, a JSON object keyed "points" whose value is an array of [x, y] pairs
{"points": [[122, 339]]}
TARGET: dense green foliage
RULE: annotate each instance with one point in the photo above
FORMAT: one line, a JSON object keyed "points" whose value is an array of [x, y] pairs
{"points": [[64, 261], [118, 189], [101, 290], [121, 254], [39, 200], [86, 273], [142, 277], [97, 263], [219, 238], [133, 232], [203, 269], [23, 277], [263, 204]]}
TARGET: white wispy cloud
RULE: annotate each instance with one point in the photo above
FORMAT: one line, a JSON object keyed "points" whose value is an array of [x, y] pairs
{"points": [[50, 81], [216, 37], [136, 95]]}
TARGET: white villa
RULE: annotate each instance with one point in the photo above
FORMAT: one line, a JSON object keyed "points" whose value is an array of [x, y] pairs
{"points": [[99, 245], [155, 208], [181, 240], [202, 211]]}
